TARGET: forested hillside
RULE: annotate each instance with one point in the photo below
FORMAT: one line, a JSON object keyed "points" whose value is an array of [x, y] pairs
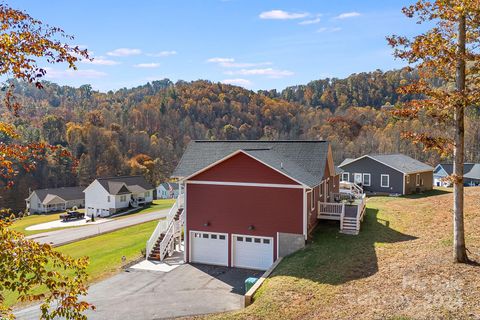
{"points": [[145, 129]]}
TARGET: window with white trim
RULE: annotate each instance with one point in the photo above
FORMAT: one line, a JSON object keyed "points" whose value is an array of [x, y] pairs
{"points": [[366, 179], [417, 179], [123, 198], [345, 176], [385, 180]]}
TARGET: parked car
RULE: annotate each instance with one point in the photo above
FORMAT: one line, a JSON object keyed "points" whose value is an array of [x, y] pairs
{"points": [[72, 215]]}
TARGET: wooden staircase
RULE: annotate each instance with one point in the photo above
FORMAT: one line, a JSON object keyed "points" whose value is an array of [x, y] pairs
{"points": [[166, 240], [350, 225]]}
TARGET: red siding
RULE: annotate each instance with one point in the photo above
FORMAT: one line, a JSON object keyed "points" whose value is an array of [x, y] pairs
{"points": [[232, 209], [243, 168]]}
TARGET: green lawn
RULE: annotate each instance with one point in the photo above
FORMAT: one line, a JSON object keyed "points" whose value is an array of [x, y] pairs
{"points": [[106, 251], [159, 204]]}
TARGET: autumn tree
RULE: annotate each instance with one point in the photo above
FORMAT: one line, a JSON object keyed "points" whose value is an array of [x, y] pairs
{"points": [[24, 264], [448, 63]]}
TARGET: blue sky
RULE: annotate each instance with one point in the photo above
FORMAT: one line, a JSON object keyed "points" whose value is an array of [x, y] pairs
{"points": [[255, 44]]}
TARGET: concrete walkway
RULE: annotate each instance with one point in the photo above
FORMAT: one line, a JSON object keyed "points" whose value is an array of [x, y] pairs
{"points": [[185, 291], [61, 237], [65, 224]]}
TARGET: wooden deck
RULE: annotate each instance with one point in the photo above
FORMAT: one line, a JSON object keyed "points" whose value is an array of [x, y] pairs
{"points": [[349, 213]]}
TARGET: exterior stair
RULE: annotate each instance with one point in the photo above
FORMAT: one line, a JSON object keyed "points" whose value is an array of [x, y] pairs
{"points": [[350, 225], [166, 239]]}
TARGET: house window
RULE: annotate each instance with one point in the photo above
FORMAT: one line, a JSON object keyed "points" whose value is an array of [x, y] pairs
{"points": [[123, 198], [417, 179], [345, 176], [408, 179], [358, 178], [385, 180], [108, 198], [39, 205], [147, 194], [366, 179]]}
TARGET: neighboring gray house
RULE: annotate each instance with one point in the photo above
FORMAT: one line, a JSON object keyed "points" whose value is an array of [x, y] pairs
{"points": [[388, 174], [168, 190], [57, 199], [471, 174]]}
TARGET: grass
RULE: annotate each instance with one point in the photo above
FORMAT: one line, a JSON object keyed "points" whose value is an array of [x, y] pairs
{"points": [[105, 252], [398, 267], [21, 224]]}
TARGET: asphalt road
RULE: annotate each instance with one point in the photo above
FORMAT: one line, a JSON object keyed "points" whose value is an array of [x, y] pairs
{"points": [[185, 291], [64, 236]]}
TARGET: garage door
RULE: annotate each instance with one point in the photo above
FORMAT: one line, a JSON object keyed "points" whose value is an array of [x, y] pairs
{"points": [[252, 252], [209, 248]]}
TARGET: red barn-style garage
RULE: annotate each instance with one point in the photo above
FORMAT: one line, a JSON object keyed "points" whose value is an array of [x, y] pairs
{"points": [[249, 202]]}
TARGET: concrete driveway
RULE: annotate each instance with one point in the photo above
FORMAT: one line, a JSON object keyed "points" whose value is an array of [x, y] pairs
{"points": [[185, 291], [64, 236]]}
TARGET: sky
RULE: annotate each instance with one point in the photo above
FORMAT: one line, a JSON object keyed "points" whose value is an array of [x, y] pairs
{"points": [[263, 44]]}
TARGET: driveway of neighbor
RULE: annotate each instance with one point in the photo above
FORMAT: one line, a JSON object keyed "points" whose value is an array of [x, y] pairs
{"points": [[185, 291], [64, 236]]}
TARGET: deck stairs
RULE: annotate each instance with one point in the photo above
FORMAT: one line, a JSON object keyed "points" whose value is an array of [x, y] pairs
{"points": [[167, 236]]}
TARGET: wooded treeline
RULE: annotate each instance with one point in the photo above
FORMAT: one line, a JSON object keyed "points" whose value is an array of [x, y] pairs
{"points": [[144, 130]]}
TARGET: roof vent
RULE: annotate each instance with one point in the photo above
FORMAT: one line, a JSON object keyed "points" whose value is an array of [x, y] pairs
{"points": [[281, 165]]}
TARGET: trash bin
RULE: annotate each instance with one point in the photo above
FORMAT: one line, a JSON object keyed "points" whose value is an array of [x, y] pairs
{"points": [[249, 282]]}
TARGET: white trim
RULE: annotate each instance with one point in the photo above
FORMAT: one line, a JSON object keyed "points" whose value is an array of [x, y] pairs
{"points": [[348, 176], [417, 180], [312, 200], [388, 180], [185, 233], [369, 179], [234, 154], [278, 242], [405, 176], [305, 227], [246, 184]]}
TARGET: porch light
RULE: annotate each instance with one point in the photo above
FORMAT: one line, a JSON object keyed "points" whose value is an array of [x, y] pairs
{"points": [[251, 227], [206, 224]]}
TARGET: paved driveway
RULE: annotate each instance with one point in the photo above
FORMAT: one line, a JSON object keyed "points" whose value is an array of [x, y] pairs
{"points": [[64, 236], [184, 291]]}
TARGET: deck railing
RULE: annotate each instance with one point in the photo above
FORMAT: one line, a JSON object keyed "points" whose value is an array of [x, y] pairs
{"points": [[330, 210]]}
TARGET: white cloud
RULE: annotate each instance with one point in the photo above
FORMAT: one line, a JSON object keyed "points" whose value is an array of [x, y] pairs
{"points": [[165, 53], [124, 52], [269, 72], [147, 65], [313, 21], [282, 15], [70, 73], [238, 82], [324, 29], [347, 15], [101, 61], [230, 63]]}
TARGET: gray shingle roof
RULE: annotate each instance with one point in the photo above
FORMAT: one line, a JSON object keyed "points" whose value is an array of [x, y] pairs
{"points": [[471, 170], [344, 162], [173, 184], [402, 163], [66, 193], [303, 161], [398, 161], [125, 184]]}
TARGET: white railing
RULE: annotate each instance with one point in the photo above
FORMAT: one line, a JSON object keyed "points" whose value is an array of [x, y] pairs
{"points": [[330, 207], [161, 227], [351, 187], [166, 242]]}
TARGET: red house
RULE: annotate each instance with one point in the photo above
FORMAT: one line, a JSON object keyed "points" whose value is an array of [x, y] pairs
{"points": [[249, 202]]}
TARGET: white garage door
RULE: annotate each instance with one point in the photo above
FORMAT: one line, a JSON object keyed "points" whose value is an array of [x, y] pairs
{"points": [[252, 252], [209, 248]]}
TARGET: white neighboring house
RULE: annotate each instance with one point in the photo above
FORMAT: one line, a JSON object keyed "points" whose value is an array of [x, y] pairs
{"points": [[168, 190], [106, 196], [56, 199]]}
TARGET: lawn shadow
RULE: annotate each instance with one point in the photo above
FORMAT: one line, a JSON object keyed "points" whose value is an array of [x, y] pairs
{"points": [[335, 258], [431, 193], [234, 277]]}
